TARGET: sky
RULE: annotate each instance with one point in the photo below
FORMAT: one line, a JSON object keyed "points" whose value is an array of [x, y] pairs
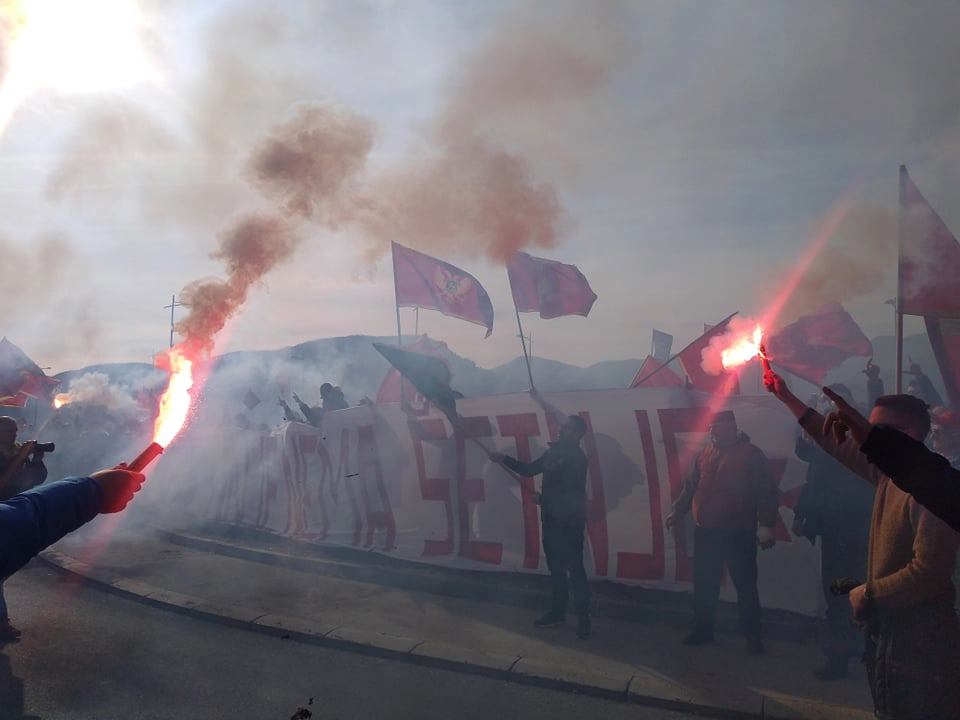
{"points": [[681, 154]]}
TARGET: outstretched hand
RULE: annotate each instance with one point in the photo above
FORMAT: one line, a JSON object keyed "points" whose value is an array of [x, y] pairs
{"points": [[845, 419], [118, 486]]}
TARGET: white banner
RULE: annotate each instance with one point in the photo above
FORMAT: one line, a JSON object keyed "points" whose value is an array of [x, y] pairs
{"points": [[378, 480]]}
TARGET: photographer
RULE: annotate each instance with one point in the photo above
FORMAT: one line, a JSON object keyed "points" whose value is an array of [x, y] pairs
{"points": [[21, 468]]}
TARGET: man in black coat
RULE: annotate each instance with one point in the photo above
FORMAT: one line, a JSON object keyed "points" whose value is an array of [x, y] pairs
{"points": [[562, 517], [836, 506]]}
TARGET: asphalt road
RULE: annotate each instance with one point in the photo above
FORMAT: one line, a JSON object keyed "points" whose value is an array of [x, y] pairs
{"points": [[86, 654]]}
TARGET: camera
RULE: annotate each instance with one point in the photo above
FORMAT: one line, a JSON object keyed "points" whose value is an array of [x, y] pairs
{"points": [[44, 447]]}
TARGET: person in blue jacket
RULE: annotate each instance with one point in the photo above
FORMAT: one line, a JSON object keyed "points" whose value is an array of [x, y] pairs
{"points": [[37, 518]]}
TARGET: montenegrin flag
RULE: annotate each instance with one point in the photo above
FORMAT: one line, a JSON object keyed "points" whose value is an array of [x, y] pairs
{"points": [[21, 377], [551, 288], [424, 281]]}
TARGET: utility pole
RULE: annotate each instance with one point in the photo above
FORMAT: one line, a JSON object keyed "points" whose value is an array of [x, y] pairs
{"points": [[173, 305]]}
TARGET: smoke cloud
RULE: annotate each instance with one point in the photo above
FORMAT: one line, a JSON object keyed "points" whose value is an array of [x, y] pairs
{"points": [[94, 388], [858, 260]]}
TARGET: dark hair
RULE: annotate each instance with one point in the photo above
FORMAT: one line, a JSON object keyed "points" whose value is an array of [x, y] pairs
{"points": [[579, 424], [325, 388], [909, 406]]}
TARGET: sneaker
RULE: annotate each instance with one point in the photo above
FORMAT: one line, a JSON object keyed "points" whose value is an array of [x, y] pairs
{"points": [[584, 629], [833, 669], [550, 620], [755, 647], [8, 633], [698, 637]]}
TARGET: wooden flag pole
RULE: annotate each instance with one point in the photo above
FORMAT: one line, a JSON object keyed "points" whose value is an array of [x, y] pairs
{"points": [[523, 344]]}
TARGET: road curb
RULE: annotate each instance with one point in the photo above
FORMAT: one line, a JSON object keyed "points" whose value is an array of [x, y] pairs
{"points": [[638, 688], [433, 580]]}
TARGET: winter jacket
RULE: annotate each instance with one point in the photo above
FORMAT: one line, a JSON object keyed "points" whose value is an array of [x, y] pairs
{"points": [[912, 553], [31, 521], [563, 494], [917, 470], [832, 495], [730, 488]]}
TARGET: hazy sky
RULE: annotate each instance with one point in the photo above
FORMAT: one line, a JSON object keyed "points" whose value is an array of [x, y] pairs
{"points": [[693, 147]]}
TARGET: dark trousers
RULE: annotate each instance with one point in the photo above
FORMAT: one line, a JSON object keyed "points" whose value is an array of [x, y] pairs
{"points": [[843, 554], [912, 656], [737, 549], [563, 546]]}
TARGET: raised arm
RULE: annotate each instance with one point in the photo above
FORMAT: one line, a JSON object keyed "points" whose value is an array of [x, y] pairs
{"points": [[917, 470], [845, 450]]}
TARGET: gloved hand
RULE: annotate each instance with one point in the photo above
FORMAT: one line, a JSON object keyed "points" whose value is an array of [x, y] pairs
{"points": [[765, 538]]}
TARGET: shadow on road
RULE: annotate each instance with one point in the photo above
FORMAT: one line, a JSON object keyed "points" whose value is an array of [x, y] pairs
{"points": [[11, 692]]}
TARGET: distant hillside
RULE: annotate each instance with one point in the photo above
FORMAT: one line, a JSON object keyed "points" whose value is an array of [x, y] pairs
{"points": [[358, 368]]}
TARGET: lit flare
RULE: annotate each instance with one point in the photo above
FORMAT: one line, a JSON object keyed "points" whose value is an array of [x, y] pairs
{"points": [[743, 349], [175, 401], [61, 399]]}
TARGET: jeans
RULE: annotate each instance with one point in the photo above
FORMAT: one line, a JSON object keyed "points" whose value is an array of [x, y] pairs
{"points": [[563, 546], [737, 549]]}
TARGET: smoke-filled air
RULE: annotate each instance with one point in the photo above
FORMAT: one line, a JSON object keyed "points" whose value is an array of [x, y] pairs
{"points": [[377, 359]]}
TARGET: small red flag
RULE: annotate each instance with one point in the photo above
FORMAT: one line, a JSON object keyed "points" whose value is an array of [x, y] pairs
{"points": [[691, 357], [653, 374], [817, 343], [19, 375], [424, 281], [552, 288]]}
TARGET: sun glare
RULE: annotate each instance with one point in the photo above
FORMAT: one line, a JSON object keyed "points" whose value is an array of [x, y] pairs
{"points": [[70, 46]]}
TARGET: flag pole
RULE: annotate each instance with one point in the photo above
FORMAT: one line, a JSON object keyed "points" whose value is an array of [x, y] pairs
{"points": [[396, 304], [678, 354], [523, 343], [899, 306]]}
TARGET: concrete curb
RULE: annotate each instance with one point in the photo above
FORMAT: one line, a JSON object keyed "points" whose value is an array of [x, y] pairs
{"points": [[435, 581], [638, 688]]}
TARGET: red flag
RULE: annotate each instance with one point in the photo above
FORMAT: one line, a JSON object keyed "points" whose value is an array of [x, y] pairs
{"points": [[817, 343], [390, 385], [18, 401], [424, 281], [929, 257], [551, 288], [19, 375], [930, 279], [653, 374], [691, 357]]}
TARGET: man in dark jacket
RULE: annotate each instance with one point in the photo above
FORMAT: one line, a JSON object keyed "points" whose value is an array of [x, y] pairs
{"points": [[562, 516], [836, 506], [729, 490]]}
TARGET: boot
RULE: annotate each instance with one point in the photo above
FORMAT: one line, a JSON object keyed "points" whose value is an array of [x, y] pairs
{"points": [[550, 620]]}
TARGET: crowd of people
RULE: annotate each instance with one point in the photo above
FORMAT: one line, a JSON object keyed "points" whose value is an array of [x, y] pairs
{"points": [[885, 506]]}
